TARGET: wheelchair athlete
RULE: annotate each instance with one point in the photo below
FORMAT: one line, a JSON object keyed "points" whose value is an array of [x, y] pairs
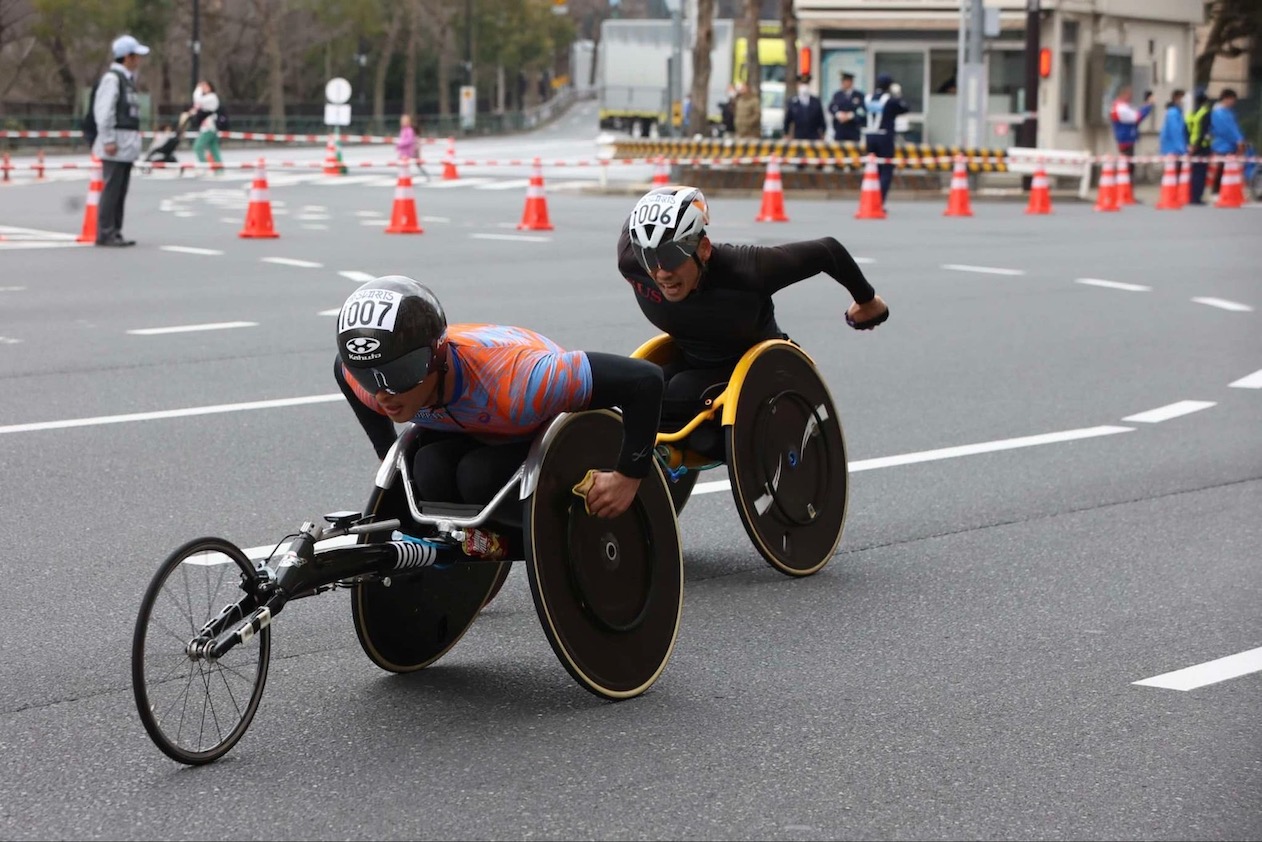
{"points": [[714, 299], [481, 393]]}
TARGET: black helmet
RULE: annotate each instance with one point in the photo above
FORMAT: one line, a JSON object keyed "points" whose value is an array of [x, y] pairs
{"points": [[389, 334]]}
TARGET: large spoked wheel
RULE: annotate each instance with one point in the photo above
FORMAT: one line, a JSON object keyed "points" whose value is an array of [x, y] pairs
{"points": [[609, 592], [786, 457], [194, 707], [414, 621]]}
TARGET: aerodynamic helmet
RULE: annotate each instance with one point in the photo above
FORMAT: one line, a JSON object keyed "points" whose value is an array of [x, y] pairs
{"points": [[667, 225], [389, 334]]}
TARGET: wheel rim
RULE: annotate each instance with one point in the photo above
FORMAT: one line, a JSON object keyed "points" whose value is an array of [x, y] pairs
{"points": [[193, 707]]}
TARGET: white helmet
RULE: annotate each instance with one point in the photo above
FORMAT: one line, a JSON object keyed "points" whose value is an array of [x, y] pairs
{"points": [[667, 225]]}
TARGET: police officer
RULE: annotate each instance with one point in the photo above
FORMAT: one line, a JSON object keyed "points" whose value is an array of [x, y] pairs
{"points": [[804, 113], [117, 112], [884, 105], [848, 111]]}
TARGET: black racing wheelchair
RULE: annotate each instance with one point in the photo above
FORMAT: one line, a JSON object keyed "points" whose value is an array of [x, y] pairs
{"points": [[608, 591], [786, 453]]}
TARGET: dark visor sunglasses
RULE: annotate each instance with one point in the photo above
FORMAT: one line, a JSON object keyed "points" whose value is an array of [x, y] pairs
{"points": [[396, 376], [668, 257]]}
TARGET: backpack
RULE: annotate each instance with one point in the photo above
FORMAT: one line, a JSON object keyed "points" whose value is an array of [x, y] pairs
{"points": [[88, 124], [221, 119]]}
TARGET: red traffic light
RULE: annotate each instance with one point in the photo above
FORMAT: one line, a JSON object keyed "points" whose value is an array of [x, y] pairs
{"points": [[1045, 63]]}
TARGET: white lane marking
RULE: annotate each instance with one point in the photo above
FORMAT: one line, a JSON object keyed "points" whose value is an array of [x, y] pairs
{"points": [[16, 245], [374, 222], [435, 219], [510, 184], [11, 289], [356, 276], [1224, 304], [210, 559], [524, 238], [953, 452], [11, 232], [230, 221], [170, 413], [156, 331], [332, 312], [461, 182], [865, 260], [189, 250], [368, 213], [314, 226], [1097, 282], [984, 270], [1165, 413], [9, 340], [1210, 672], [289, 261], [1251, 381]]}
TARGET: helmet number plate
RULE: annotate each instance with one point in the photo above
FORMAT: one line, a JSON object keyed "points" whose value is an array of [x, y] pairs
{"points": [[370, 309]]}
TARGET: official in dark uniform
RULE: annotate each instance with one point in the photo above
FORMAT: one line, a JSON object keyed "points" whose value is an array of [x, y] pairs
{"points": [[804, 113], [848, 112], [884, 106]]}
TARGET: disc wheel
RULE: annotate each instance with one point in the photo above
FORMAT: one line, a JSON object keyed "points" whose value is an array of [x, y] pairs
{"points": [[196, 708], [416, 619], [787, 462], [608, 591]]}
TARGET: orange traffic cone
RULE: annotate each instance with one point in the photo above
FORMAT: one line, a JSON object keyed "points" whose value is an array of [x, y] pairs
{"points": [[90, 208], [39, 165], [1169, 187], [403, 215], [1122, 179], [5, 166], [957, 200], [258, 216], [332, 166], [772, 195], [661, 175], [449, 161], [534, 216], [870, 206], [1106, 200], [1231, 188], [1040, 193], [1185, 181]]}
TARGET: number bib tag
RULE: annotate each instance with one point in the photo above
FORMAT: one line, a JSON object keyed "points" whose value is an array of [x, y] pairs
{"points": [[374, 309], [656, 209]]}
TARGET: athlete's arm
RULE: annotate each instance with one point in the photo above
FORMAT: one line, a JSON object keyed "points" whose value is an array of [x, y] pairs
{"points": [[776, 267], [636, 387], [379, 428]]}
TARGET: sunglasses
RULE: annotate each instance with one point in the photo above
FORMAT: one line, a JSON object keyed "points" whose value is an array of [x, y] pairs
{"points": [[668, 257], [397, 376]]}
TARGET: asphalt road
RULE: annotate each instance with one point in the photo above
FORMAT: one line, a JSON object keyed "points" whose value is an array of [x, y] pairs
{"points": [[965, 667]]}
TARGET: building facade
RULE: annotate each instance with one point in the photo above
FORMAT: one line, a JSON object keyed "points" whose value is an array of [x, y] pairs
{"points": [[1096, 47]]}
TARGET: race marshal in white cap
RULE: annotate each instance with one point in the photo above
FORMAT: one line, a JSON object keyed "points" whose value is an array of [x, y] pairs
{"points": [[126, 45]]}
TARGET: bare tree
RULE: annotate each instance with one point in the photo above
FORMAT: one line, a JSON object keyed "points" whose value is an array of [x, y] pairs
{"points": [[271, 14], [701, 67], [789, 28], [753, 65], [383, 64], [1233, 25], [15, 15], [409, 56]]}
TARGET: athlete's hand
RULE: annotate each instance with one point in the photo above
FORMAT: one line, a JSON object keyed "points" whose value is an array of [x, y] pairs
{"points": [[867, 316], [611, 493]]}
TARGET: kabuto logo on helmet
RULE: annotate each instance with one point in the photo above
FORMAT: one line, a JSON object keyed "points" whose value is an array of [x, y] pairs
{"points": [[361, 348]]}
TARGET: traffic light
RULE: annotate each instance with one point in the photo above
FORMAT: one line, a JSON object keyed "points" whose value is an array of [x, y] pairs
{"points": [[1045, 63], [804, 61]]}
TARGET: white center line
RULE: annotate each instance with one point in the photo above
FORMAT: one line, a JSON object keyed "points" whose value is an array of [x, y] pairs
{"points": [[525, 238], [1210, 672], [1224, 304], [155, 331], [332, 312], [289, 261], [954, 452], [865, 260], [170, 413], [985, 270], [189, 250], [1165, 413], [1097, 282], [356, 276], [11, 289], [1251, 381]]}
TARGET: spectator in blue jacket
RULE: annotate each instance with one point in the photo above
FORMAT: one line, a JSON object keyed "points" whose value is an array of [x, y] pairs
{"points": [[1174, 131], [1126, 119], [1225, 135]]}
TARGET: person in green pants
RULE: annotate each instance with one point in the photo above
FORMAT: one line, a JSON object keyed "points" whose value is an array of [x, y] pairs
{"points": [[202, 117]]}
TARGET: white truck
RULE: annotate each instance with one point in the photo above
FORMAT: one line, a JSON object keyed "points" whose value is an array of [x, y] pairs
{"points": [[632, 72]]}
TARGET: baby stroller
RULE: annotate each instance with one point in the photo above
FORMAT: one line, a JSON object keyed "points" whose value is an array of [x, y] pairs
{"points": [[165, 144]]}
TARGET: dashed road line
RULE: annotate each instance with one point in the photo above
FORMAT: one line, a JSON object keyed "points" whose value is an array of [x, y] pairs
{"points": [[1210, 672], [1224, 304], [523, 238], [289, 261], [356, 276], [11, 289], [984, 270], [1098, 282], [190, 250], [157, 331], [1165, 413], [170, 413], [1250, 381]]}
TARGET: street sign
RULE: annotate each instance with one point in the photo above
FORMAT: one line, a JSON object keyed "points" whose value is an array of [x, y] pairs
{"points": [[468, 106], [337, 115], [337, 91]]}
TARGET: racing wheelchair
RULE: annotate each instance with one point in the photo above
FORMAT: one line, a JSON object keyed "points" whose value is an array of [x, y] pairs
{"points": [[785, 449], [608, 591]]}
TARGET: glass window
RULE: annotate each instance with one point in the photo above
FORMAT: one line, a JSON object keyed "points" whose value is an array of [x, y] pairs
{"points": [[908, 70], [1068, 72], [942, 71], [1007, 79]]}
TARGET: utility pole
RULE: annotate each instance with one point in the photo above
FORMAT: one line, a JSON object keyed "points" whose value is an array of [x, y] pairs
{"points": [[970, 87], [361, 59], [196, 44], [1030, 126], [468, 40]]}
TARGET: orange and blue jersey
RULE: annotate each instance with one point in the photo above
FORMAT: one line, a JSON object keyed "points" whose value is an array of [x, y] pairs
{"points": [[509, 382]]}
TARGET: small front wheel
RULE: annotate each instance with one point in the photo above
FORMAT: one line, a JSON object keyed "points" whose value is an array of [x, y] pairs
{"points": [[196, 706]]}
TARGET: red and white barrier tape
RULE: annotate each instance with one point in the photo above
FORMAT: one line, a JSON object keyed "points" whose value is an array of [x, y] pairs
{"points": [[258, 136]]}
